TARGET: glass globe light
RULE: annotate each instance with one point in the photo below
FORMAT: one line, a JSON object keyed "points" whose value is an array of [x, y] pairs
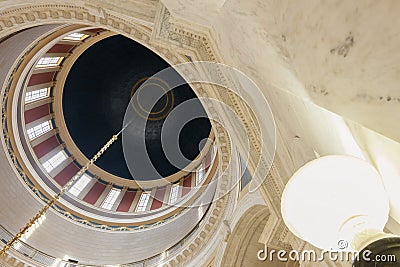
{"points": [[330, 200]]}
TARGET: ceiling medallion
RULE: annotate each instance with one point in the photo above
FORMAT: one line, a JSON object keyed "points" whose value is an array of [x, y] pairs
{"points": [[152, 98]]}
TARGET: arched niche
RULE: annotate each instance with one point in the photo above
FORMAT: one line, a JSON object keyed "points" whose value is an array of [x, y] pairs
{"points": [[243, 243]]}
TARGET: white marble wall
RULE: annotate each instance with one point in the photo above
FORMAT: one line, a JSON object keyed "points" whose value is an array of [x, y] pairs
{"points": [[309, 57], [341, 54]]}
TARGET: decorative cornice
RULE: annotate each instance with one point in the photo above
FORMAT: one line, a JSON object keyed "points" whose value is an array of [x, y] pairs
{"points": [[199, 41]]}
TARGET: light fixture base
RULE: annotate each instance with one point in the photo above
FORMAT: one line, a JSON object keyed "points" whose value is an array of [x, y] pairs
{"points": [[383, 252]]}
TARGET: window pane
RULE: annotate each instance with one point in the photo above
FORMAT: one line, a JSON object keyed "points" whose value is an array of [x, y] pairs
{"points": [[144, 199], [39, 130], [199, 175], [36, 95], [76, 36], [56, 160], [111, 198], [245, 174], [79, 185], [48, 62], [173, 196]]}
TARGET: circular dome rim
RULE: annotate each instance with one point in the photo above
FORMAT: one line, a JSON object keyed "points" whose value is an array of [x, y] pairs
{"points": [[50, 21], [43, 193], [74, 150]]}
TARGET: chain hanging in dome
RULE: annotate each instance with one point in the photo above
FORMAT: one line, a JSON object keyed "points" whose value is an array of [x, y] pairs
{"points": [[64, 189]]}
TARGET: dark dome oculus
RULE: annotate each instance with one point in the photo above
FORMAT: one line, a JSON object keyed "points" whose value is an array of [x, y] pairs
{"points": [[96, 95]]}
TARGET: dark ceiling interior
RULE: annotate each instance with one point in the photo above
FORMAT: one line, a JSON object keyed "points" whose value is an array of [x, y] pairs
{"points": [[96, 95]]}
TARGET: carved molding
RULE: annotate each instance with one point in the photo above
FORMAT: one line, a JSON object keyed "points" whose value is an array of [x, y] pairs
{"points": [[201, 43]]}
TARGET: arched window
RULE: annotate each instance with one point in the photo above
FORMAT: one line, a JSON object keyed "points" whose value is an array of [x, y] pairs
{"points": [[110, 199], [173, 196], [39, 130], [144, 199], [246, 177], [36, 95], [76, 36], [45, 62], [79, 185], [54, 161]]}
